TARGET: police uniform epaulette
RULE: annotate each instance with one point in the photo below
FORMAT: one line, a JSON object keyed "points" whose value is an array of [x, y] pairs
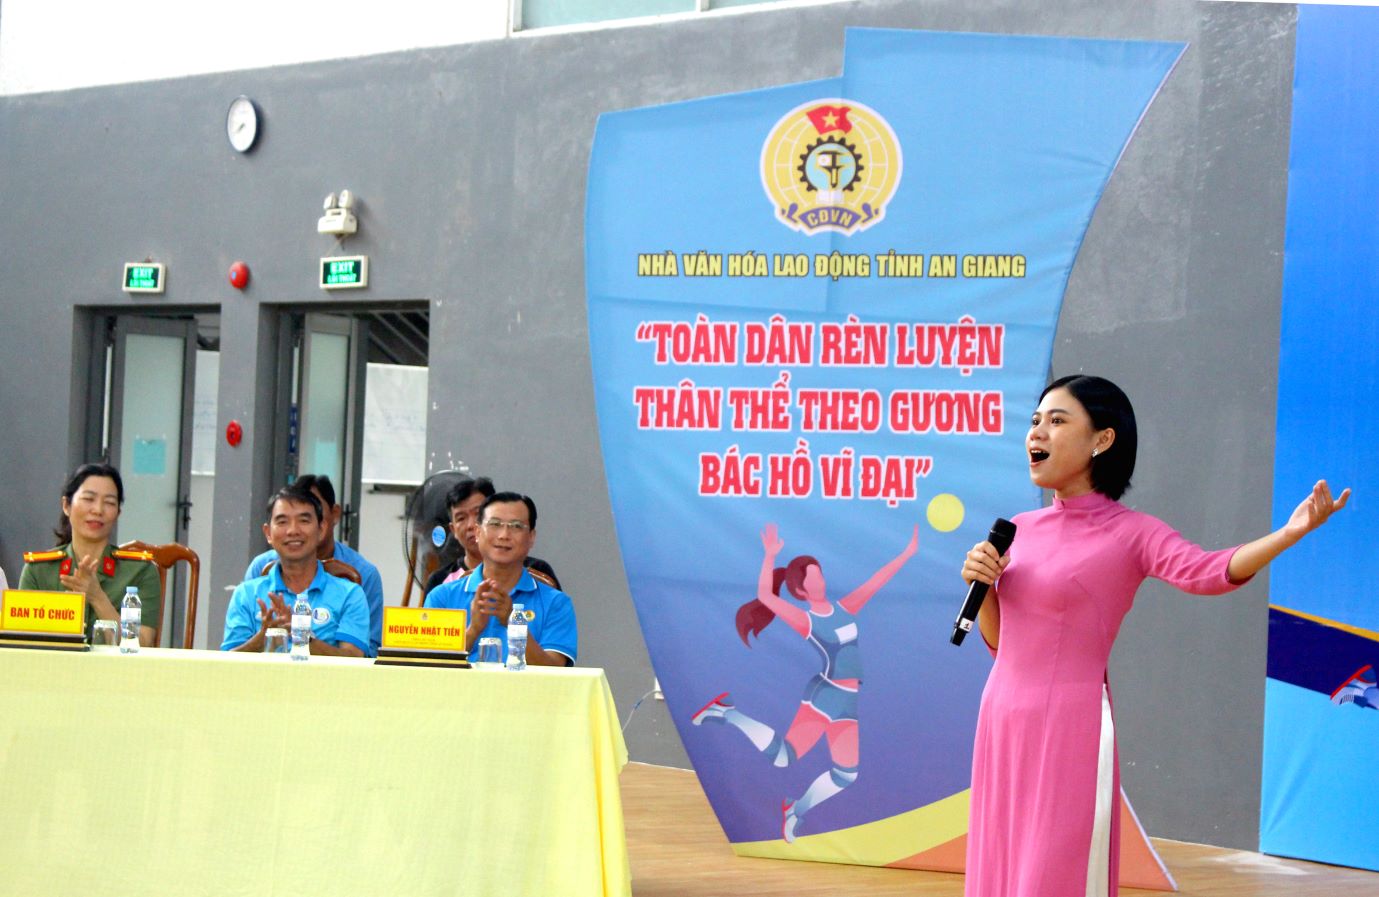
{"points": [[126, 554], [38, 557]]}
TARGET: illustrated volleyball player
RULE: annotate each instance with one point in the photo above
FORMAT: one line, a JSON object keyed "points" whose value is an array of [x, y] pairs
{"points": [[1360, 689], [829, 705]]}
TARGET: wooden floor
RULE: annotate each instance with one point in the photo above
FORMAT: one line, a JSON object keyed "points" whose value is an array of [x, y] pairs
{"points": [[678, 850]]}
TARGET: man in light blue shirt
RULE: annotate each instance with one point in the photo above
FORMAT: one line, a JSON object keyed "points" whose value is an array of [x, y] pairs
{"points": [[339, 610], [507, 531], [372, 583]]}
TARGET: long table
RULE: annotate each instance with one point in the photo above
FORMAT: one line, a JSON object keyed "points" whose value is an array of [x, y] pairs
{"points": [[196, 772]]}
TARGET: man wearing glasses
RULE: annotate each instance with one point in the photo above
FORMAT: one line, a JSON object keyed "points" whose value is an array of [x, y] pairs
{"points": [[463, 502], [507, 531]]}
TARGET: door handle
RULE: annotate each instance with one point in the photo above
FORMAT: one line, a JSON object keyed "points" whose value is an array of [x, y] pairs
{"points": [[348, 522], [185, 506]]}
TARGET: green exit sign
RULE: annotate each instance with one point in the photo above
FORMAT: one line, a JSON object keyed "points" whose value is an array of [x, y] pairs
{"points": [[143, 277], [344, 272]]}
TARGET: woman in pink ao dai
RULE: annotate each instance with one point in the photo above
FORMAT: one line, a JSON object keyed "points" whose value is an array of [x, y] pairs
{"points": [[1045, 787]]}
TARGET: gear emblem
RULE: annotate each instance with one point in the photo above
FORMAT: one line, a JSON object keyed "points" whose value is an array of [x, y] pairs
{"points": [[829, 165]]}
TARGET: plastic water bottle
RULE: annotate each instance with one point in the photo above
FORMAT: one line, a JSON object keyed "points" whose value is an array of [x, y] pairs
{"points": [[517, 638], [301, 628], [131, 615]]}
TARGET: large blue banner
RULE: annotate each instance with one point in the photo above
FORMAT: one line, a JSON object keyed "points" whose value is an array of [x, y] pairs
{"points": [[819, 316], [1321, 730]]}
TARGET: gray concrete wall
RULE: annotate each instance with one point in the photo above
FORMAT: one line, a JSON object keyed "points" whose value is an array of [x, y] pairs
{"points": [[470, 166]]}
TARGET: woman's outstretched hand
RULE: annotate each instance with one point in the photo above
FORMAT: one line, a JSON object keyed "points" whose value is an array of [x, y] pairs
{"points": [[1314, 510], [1251, 557]]}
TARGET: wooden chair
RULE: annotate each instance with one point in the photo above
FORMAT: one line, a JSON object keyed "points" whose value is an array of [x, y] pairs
{"points": [[334, 566], [164, 556]]}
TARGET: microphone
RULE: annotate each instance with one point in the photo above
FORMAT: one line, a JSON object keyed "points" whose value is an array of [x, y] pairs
{"points": [[1001, 535]]}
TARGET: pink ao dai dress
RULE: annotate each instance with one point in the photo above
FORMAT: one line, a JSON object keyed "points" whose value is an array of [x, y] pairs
{"points": [[1045, 787]]}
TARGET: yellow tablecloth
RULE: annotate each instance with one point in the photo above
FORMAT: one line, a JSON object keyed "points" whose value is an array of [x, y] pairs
{"points": [[192, 773]]}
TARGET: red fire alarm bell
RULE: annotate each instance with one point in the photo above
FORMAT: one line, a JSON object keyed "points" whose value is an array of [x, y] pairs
{"points": [[239, 275]]}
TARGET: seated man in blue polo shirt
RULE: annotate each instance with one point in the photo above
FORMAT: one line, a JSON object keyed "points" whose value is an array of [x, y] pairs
{"points": [[339, 610], [507, 531], [320, 486]]}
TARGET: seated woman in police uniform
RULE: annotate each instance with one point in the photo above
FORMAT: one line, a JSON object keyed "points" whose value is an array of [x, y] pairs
{"points": [[84, 560]]}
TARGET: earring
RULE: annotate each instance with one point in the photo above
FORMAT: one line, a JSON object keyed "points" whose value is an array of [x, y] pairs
{"points": [[1094, 452]]}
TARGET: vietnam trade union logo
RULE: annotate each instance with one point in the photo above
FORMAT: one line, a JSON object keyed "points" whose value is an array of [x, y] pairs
{"points": [[830, 165]]}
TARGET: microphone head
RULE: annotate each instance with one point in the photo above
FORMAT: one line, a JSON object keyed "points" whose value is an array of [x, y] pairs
{"points": [[1001, 535]]}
